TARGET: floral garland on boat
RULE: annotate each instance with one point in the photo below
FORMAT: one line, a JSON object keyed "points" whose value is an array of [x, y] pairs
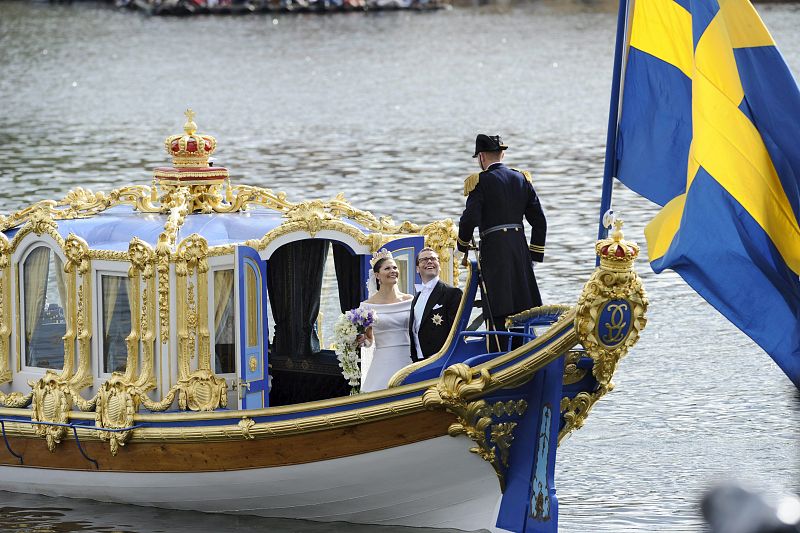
{"points": [[346, 331]]}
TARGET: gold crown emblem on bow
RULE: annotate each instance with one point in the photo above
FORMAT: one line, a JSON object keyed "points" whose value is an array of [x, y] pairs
{"points": [[383, 253], [190, 149], [615, 252]]}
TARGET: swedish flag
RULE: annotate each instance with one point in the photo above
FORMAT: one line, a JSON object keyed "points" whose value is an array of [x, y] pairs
{"points": [[709, 129]]}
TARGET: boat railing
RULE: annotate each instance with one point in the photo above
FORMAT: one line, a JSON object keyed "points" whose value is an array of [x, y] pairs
{"points": [[73, 427]]}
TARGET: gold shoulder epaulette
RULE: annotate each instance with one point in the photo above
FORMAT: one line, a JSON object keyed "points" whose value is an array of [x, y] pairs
{"points": [[526, 173], [470, 183]]}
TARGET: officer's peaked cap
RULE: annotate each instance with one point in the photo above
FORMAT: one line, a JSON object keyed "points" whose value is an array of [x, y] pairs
{"points": [[488, 143]]}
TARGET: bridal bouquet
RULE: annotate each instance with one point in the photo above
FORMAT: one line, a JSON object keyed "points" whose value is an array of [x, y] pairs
{"points": [[347, 328]]}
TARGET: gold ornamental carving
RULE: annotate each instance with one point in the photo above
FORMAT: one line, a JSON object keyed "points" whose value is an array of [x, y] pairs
{"points": [[192, 308], [143, 267], [116, 407], [16, 399], [5, 310], [51, 403], [79, 318], [575, 410], [501, 436], [613, 288], [162, 269], [509, 408], [573, 374], [202, 391], [245, 425], [441, 236], [41, 221], [310, 215]]}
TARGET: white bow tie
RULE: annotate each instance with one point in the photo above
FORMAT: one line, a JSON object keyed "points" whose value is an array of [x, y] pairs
{"points": [[425, 287]]}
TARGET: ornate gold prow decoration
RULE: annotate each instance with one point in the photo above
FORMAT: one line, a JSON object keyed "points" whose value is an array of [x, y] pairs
{"points": [[611, 309], [609, 319]]}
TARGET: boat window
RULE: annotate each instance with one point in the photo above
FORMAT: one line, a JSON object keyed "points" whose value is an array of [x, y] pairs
{"points": [[116, 317], [224, 334], [44, 296]]}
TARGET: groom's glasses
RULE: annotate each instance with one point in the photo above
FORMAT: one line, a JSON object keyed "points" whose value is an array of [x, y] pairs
{"points": [[428, 260]]}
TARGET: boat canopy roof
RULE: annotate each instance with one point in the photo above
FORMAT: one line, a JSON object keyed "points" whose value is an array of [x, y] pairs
{"points": [[112, 229], [194, 198]]}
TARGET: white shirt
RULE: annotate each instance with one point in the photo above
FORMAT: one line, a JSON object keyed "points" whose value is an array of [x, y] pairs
{"points": [[424, 290]]}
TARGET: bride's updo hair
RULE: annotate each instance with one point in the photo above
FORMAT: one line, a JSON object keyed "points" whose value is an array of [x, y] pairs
{"points": [[377, 268]]}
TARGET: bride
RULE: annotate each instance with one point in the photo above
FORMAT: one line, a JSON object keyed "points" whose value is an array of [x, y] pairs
{"points": [[390, 331]]}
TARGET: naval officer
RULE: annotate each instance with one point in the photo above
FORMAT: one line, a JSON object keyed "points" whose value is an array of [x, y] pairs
{"points": [[497, 199]]}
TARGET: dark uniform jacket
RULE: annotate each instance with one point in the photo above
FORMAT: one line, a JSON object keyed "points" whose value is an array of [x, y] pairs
{"points": [[436, 323], [496, 197]]}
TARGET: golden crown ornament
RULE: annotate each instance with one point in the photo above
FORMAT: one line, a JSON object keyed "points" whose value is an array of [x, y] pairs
{"points": [[615, 252], [190, 153]]}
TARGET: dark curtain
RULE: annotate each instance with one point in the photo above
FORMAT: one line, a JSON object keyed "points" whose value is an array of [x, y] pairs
{"points": [[348, 276], [294, 281]]}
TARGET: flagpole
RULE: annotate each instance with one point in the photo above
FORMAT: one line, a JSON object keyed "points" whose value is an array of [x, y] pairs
{"points": [[610, 168]]}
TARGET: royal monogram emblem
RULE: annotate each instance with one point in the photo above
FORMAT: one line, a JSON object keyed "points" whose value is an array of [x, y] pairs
{"points": [[437, 319]]}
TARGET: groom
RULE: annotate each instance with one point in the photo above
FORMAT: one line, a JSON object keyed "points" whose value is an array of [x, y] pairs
{"points": [[433, 310]]}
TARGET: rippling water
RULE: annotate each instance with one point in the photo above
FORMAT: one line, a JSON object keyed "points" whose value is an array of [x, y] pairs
{"points": [[384, 107]]}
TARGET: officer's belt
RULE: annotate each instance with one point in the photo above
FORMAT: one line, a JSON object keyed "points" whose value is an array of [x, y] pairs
{"points": [[503, 227]]}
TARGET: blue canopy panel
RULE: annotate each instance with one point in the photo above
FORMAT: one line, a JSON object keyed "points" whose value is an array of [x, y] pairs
{"points": [[114, 228]]}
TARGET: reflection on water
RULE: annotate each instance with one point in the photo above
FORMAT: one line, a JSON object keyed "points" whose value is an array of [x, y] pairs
{"points": [[384, 107], [29, 514]]}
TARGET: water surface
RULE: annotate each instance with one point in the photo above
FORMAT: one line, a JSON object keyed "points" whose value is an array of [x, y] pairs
{"points": [[384, 107]]}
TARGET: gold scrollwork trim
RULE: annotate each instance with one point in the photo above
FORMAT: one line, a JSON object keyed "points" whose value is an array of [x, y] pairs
{"points": [[78, 263], [575, 410], [573, 374], [509, 408], [246, 424], [441, 236], [5, 309], [192, 309], [603, 286], [80, 203]]}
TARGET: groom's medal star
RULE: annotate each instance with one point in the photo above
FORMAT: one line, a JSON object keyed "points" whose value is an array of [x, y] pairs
{"points": [[437, 319]]}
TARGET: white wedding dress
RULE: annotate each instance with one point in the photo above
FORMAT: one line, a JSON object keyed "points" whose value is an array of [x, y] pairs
{"points": [[392, 348]]}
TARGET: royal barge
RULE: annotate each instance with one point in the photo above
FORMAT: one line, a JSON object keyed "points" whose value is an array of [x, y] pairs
{"points": [[159, 346]]}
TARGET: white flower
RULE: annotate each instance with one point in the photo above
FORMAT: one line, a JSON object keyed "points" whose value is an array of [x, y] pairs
{"points": [[347, 350]]}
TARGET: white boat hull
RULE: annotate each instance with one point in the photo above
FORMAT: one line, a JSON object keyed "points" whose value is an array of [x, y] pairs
{"points": [[434, 483]]}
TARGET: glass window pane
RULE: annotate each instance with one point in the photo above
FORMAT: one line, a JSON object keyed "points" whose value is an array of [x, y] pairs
{"points": [[44, 294], [224, 334], [116, 316]]}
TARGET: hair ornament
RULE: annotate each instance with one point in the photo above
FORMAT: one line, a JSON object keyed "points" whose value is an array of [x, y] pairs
{"points": [[383, 253]]}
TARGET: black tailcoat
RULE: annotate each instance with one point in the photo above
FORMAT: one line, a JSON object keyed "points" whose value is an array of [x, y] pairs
{"points": [[501, 195], [436, 323]]}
